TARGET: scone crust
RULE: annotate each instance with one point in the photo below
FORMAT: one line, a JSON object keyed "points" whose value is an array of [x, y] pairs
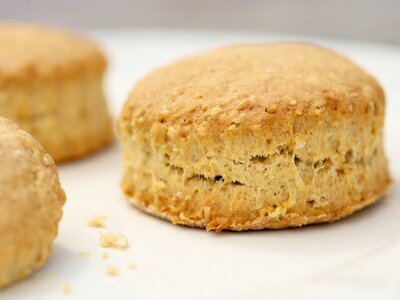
{"points": [[255, 136], [51, 85], [31, 201], [285, 221], [34, 52]]}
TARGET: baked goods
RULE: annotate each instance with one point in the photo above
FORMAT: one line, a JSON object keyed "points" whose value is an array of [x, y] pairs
{"points": [[113, 240], [31, 202], [51, 85], [255, 136]]}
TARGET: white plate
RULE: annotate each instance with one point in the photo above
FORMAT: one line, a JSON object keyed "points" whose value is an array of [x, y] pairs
{"points": [[356, 257]]}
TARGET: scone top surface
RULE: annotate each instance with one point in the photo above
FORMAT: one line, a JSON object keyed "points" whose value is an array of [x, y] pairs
{"points": [[253, 85], [30, 52], [31, 202]]}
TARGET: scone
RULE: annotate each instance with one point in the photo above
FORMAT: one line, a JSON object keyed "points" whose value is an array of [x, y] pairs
{"points": [[31, 202], [253, 137], [51, 85]]}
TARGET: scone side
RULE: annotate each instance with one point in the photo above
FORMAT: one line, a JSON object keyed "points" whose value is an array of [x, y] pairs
{"points": [[175, 210], [286, 221], [70, 116], [161, 179]]}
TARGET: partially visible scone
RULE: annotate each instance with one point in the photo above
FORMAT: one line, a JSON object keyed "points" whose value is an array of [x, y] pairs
{"points": [[255, 136], [51, 85], [31, 202]]}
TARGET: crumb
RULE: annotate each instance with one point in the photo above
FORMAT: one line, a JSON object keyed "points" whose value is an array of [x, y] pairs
{"points": [[105, 255], [131, 266], [97, 221], [84, 253], [111, 271], [113, 240], [66, 289]]}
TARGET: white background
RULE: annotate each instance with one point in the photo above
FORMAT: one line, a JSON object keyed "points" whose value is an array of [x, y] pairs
{"points": [[356, 19]]}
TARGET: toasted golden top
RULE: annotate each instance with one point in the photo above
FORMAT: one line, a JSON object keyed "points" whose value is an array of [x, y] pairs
{"points": [[253, 86], [34, 52]]}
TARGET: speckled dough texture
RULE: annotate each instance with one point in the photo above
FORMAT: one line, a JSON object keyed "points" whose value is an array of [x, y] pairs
{"points": [[31, 202], [253, 137], [51, 85]]}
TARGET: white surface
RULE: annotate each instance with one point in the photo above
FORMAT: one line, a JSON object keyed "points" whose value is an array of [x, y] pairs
{"points": [[354, 258]]}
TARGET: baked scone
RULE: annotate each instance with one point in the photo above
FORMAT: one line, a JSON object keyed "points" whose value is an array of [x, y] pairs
{"points": [[255, 136], [51, 85], [31, 202]]}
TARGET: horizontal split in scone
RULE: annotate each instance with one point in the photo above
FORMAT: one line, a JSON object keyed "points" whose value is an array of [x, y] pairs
{"points": [[243, 182]]}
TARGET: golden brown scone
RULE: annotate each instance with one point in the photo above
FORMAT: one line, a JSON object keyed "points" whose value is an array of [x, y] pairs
{"points": [[31, 202], [51, 85], [255, 136]]}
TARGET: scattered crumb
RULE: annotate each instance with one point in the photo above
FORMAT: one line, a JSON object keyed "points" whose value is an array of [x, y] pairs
{"points": [[131, 266], [97, 221], [111, 271], [84, 253], [105, 255], [66, 289], [113, 240]]}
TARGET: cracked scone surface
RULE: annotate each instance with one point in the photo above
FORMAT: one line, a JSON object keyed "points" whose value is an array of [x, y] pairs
{"points": [[31, 202], [253, 137], [51, 85]]}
